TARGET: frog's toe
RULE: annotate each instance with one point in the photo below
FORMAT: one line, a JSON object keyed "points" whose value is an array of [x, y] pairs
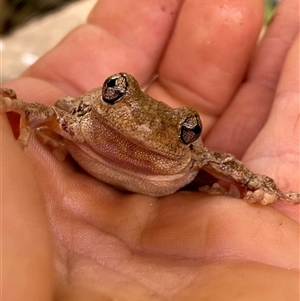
{"points": [[5, 102], [9, 101], [291, 197], [260, 196], [6, 92]]}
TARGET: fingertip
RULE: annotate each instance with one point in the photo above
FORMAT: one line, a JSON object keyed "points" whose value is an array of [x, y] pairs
{"points": [[209, 51]]}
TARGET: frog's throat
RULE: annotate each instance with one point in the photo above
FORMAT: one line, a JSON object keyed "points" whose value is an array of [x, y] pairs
{"points": [[154, 184], [134, 159]]}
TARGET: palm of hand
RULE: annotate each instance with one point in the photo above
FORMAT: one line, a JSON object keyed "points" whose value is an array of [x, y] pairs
{"points": [[98, 232]]}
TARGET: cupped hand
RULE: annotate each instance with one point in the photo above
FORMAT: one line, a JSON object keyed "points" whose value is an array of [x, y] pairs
{"points": [[66, 235]]}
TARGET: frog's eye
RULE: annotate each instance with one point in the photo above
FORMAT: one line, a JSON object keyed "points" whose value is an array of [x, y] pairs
{"points": [[114, 88], [191, 129]]}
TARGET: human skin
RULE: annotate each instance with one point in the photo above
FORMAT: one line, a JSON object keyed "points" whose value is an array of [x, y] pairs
{"points": [[68, 236]]}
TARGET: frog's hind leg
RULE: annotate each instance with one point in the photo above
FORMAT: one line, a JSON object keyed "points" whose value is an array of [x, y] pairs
{"points": [[258, 188]]}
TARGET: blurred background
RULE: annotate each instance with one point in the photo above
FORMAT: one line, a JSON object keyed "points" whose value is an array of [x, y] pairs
{"points": [[29, 28]]}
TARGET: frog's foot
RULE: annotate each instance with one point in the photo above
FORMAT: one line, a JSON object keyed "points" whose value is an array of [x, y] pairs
{"points": [[217, 189], [291, 197], [262, 189], [265, 198], [260, 196], [7, 93], [32, 115], [53, 140], [10, 103]]}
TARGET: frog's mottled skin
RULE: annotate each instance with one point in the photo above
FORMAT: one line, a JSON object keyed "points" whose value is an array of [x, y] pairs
{"points": [[122, 136]]}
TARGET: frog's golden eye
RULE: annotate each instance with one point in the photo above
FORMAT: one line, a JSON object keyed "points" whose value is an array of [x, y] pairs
{"points": [[191, 129], [114, 88]]}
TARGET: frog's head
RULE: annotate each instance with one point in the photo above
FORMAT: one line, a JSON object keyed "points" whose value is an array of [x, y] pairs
{"points": [[148, 117], [137, 142]]}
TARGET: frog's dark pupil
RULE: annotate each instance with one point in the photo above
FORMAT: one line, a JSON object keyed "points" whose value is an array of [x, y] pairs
{"points": [[190, 130], [114, 88]]}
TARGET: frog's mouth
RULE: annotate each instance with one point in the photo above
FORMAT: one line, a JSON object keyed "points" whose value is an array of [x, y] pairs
{"points": [[123, 154], [127, 153], [123, 173]]}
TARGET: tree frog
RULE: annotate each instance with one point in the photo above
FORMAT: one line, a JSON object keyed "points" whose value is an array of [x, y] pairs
{"points": [[124, 137]]}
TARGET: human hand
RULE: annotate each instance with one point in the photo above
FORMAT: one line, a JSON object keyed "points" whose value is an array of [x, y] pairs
{"points": [[67, 234]]}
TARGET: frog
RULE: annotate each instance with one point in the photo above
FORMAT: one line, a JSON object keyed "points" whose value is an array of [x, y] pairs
{"points": [[122, 136]]}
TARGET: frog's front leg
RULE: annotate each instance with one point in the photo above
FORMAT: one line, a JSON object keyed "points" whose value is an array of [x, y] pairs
{"points": [[258, 188], [38, 116]]}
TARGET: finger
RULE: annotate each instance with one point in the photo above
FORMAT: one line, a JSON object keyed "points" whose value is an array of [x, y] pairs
{"points": [[26, 249], [208, 54], [280, 35], [221, 228], [247, 280], [247, 113], [277, 146], [119, 36]]}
